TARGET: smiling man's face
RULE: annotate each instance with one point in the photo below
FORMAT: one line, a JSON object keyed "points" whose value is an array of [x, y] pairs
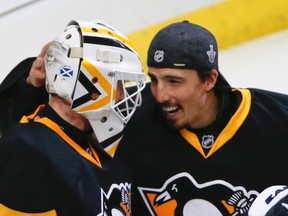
{"points": [[182, 96]]}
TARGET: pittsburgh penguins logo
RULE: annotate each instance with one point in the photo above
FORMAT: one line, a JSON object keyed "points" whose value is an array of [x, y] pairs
{"points": [[117, 202], [182, 195]]}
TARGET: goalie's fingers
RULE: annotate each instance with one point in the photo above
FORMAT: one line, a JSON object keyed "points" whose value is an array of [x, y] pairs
{"points": [[268, 199], [37, 73], [44, 49]]}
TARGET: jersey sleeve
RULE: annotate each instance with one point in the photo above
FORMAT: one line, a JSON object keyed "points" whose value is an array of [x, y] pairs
{"points": [[17, 98], [28, 181]]}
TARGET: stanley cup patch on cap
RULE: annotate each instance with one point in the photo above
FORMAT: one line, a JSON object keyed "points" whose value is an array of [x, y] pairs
{"points": [[211, 54]]}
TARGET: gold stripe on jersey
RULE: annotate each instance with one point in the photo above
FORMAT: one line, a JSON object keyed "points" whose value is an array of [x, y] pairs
{"points": [[53, 126], [26, 119], [10, 212], [113, 147], [228, 132]]}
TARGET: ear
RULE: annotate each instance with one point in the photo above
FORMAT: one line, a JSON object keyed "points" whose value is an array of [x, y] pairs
{"points": [[211, 80]]}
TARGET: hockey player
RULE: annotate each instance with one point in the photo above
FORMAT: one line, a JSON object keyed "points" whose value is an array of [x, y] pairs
{"points": [[51, 163], [208, 149]]}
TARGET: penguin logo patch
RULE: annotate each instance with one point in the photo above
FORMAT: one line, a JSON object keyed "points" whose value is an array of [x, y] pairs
{"points": [[117, 201], [181, 195]]}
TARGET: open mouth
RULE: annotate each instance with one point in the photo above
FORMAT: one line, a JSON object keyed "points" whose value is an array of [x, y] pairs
{"points": [[170, 110]]}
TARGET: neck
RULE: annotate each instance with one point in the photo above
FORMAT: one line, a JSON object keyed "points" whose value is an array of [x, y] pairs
{"points": [[209, 112], [63, 109]]}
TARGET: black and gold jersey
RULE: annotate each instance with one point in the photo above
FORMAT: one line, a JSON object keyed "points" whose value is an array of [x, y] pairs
{"points": [[218, 170], [207, 172], [44, 172]]}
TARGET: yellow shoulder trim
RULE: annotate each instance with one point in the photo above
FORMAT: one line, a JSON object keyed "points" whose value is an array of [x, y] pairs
{"points": [[228, 132], [26, 119], [5, 211], [53, 126]]}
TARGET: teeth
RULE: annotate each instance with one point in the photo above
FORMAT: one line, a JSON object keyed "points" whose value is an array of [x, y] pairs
{"points": [[170, 109]]}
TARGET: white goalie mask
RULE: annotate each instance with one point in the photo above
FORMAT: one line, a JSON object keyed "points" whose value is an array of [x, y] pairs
{"points": [[84, 64]]}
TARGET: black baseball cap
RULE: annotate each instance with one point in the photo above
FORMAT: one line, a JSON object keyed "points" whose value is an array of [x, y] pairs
{"points": [[185, 45]]}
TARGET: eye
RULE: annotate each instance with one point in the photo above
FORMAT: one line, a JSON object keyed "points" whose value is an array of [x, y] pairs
{"points": [[174, 81]]}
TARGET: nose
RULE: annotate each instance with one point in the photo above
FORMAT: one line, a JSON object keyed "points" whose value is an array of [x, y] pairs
{"points": [[160, 93]]}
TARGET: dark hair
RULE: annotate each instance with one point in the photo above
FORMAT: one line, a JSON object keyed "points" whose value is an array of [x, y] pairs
{"points": [[219, 87]]}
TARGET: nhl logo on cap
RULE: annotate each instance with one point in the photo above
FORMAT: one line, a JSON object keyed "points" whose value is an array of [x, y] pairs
{"points": [[159, 55]]}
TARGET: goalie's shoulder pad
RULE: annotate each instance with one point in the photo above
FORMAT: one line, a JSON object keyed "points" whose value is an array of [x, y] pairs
{"points": [[273, 199]]}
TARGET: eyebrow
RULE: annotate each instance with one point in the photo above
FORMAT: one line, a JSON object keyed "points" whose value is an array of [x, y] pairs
{"points": [[172, 77]]}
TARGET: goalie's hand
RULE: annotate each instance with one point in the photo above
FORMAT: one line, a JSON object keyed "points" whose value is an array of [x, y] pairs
{"points": [[37, 74], [273, 201]]}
